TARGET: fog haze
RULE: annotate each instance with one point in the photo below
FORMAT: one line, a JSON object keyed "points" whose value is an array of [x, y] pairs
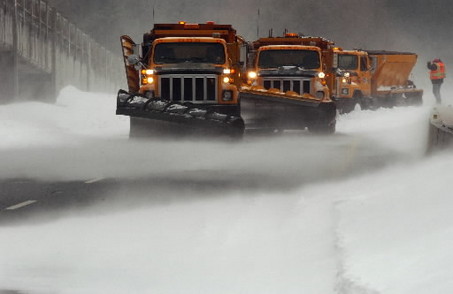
{"points": [[361, 211], [416, 26], [354, 23]]}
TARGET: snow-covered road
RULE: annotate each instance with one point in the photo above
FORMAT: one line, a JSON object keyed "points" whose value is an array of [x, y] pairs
{"points": [[362, 211]]}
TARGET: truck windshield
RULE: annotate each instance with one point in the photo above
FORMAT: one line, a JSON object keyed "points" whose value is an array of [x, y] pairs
{"points": [[189, 52], [347, 62], [307, 59]]}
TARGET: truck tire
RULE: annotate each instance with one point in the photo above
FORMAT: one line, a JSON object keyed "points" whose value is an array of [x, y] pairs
{"points": [[415, 99], [325, 122], [137, 130], [322, 128], [356, 101], [140, 128]]}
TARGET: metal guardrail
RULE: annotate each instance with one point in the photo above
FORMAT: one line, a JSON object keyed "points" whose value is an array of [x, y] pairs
{"points": [[48, 42]]}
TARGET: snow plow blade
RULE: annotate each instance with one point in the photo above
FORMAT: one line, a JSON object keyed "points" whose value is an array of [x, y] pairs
{"points": [[273, 110], [149, 114], [440, 128]]}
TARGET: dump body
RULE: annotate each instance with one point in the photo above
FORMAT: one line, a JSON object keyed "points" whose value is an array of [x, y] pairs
{"points": [[192, 69], [391, 71], [287, 86]]}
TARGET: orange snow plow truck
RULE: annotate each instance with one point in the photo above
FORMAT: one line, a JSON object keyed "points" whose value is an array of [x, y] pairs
{"points": [[183, 79], [287, 85], [372, 79]]}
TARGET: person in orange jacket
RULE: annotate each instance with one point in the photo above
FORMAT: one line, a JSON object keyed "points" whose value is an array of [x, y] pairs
{"points": [[437, 75]]}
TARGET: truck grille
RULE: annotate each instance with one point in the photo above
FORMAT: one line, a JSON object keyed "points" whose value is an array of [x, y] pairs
{"points": [[286, 84], [188, 88]]}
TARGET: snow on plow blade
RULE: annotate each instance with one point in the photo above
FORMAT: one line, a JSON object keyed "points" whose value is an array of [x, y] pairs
{"points": [[262, 109], [185, 119], [440, 128]]}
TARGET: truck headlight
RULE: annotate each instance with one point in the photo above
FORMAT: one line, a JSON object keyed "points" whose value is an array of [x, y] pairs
{"points": [[147, 72], [252, 75], [321, 75], [347, 74]]}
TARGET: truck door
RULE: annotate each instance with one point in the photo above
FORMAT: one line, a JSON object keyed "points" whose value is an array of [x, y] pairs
{"points": [[131, 59], [365, 75]]}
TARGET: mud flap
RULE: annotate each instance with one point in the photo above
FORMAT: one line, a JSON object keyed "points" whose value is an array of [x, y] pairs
{"points": [[132, 74]]}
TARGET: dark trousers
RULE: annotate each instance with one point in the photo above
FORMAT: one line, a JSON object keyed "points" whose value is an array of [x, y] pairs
{"points": [[436, 92]]}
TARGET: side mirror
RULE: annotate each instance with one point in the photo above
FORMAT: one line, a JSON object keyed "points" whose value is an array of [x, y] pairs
{"points": [[133, 59]]}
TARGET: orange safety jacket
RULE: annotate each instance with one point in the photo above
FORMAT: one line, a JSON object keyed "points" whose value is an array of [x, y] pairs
{"points": [[438, 73]]}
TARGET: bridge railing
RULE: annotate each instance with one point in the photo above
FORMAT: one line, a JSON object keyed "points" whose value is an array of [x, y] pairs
{"points": [[47, 42]]}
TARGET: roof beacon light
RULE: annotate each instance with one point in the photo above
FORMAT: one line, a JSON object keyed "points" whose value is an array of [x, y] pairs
{"points": [[191, 26]]}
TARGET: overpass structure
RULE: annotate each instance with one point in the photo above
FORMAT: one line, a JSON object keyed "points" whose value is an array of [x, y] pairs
{"points": [[41, 52]]}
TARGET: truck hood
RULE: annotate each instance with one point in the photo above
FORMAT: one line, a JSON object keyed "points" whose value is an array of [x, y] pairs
{"points": [[287, 71], [188, 67]]}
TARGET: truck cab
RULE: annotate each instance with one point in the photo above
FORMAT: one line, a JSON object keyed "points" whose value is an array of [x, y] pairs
{"points": [[290, 68], [183, 80], [189, 64], [194, 70], [352, 82], [287, 87]]}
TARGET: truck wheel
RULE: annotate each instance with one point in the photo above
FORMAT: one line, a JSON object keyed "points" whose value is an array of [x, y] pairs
{"points": [[356, 103], [322, 128], [414, 98], [238, 128], [136, 129], [140, 128]]}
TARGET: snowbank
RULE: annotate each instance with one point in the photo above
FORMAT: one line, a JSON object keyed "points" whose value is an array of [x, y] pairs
{"points": [[363, 212]]}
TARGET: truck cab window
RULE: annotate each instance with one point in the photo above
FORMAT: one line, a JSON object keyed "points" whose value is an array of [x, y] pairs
{"points": [[306, 59], [363, 63], [213, 53], [347, 62]]}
